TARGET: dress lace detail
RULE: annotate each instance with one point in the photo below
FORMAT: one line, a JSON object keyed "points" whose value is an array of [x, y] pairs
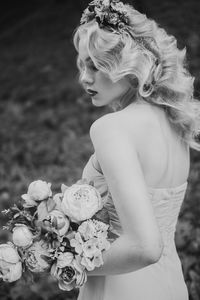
{"points": [[160, 281]]}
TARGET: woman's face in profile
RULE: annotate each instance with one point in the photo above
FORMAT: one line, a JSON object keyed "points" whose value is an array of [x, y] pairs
{"points": [[97, 83]]}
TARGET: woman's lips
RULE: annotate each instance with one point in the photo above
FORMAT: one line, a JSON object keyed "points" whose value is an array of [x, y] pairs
{"points": [[91, 92]]}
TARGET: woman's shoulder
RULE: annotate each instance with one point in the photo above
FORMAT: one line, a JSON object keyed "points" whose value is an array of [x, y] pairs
{"points": [[107, 127], [135, 120], [147, 131]]}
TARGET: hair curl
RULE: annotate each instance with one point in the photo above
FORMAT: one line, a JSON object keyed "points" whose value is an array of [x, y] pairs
{"points": [[157, 72]]}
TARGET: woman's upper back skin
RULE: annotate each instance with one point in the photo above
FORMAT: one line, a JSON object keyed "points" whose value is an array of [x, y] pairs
{"points": [[164, 157]]}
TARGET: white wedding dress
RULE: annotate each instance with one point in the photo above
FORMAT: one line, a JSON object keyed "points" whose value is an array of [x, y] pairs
{"points": [[160, 281]]}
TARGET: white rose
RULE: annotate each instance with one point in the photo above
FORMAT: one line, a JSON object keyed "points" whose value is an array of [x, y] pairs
{"points": [[10, 263], [37, 191], [81, 201], [22, 236]]}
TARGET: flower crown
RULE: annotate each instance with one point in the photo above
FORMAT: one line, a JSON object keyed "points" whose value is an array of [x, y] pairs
{"points": [[109, 14], [112, 15]]}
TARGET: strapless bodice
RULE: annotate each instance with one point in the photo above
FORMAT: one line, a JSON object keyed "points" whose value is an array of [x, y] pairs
{"points": [[162, 280], [166, 202]]}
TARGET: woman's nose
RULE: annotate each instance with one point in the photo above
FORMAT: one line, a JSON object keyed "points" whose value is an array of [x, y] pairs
{"points": [[87, 77]]}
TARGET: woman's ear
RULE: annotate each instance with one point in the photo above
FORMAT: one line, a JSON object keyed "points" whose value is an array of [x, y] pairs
{"points": [[133, 81]]}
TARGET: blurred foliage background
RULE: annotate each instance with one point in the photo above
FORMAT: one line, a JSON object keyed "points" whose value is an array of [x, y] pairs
{"points": [[45, 115]]}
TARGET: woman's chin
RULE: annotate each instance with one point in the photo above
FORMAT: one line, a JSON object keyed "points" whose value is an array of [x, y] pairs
{"points": [[97, 102]]}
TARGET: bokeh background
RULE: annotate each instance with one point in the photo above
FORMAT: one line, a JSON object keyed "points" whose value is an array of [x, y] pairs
{"points": [[45, 116]]}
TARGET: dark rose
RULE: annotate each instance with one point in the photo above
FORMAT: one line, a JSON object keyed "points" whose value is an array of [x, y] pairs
{"points": [[69, 272]]}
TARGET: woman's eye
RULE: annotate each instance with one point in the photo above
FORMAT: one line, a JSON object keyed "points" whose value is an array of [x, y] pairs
{"points": [[92, 67], [88, 65]]}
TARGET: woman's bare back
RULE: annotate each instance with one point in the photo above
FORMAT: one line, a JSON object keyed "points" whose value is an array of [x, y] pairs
{"points": [[163, 155]]}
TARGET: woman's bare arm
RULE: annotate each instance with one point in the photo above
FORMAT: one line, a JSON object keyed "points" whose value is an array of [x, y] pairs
{"points": [[141, 243]]}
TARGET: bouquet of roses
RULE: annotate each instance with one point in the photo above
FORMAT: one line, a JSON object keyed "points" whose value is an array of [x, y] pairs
{"points": [[63, 235]]}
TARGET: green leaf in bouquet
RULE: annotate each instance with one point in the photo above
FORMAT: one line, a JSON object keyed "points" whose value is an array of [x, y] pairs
{"points": [[42, 210], [9, 226], [55, 243], [50, 204], [54, 222], [17, 219], [70, 249], [83, 181], [27, 215], [14, 208], [16, 215], [112, 236], [52, 239], [5, 227], [5, 212], [62, 248], [21, 219], [48, 259], [63, 188], [49, 236], [65, 245], [10, 212], [104, 194], [31, 210], [70, 235], [102, 215], [74, 226]]}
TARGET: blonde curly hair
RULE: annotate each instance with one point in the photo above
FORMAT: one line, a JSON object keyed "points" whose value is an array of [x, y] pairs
{"points": [[154, 66]]}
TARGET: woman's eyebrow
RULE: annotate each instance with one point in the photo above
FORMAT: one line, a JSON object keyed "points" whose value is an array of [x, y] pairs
{"points": [[88, 59]]}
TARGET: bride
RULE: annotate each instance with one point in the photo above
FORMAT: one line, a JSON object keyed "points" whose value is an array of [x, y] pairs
{"points": [[141, 149]]}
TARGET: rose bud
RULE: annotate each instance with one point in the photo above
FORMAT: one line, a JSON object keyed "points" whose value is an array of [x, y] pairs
{"points": [[37, 191], [22, 236]]}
